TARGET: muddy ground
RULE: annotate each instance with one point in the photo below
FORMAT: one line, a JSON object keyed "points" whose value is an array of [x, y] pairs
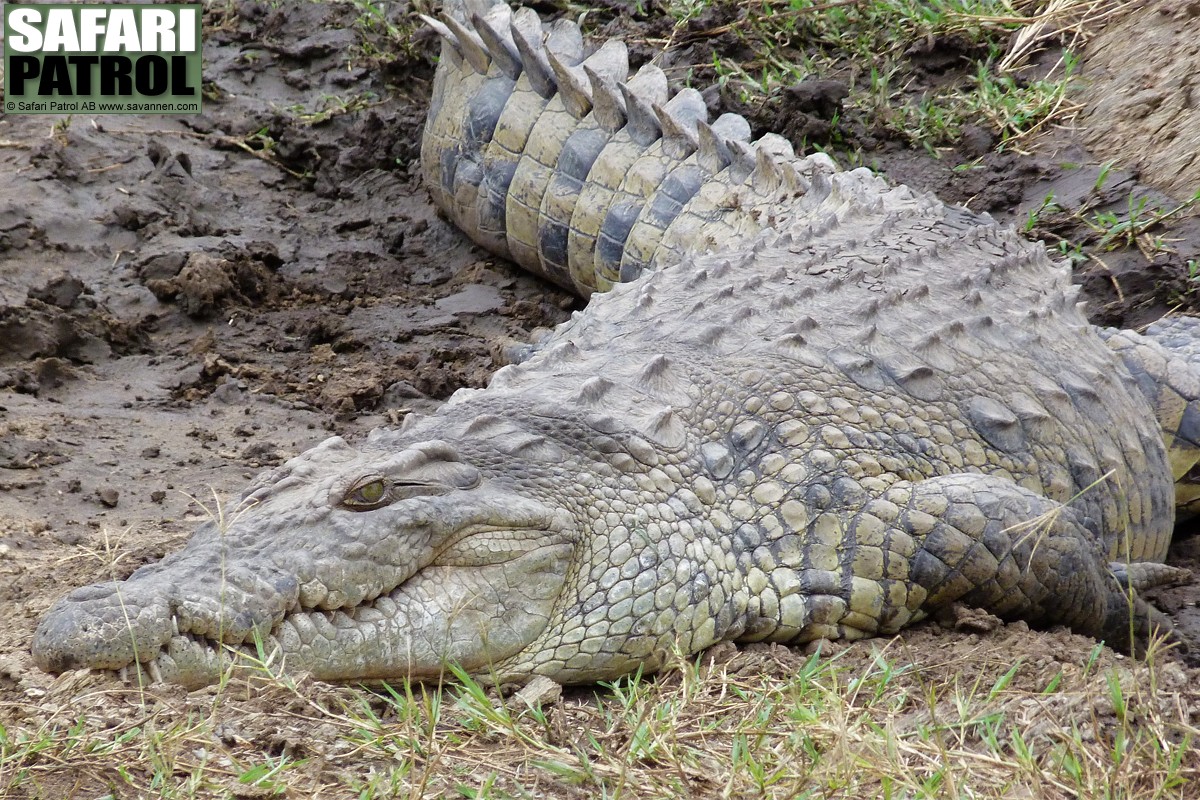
{"points": [[186, 301]]}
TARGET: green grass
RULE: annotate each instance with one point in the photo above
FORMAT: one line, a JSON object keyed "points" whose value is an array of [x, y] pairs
{"points": [[1104, 223], [909, 718], [386, 37], [1135, 226], [330, 106], [874, 45]]}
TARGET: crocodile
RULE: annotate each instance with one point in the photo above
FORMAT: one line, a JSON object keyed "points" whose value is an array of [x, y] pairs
{"points": [[802, 404]]}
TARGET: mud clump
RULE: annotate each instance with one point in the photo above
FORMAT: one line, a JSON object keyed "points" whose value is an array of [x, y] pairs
{"points": [[62, 291], [60, 324], [206, 283], [806, 110], [1143, 76]]}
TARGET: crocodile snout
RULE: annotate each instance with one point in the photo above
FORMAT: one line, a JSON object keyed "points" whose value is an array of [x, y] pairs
{"points": [[105, 626]]}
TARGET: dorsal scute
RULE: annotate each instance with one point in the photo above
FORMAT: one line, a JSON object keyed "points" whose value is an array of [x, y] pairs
{"points": [[495, 31], [474, 51], [526, 31], [697, 183], [573, 85], [564, 39], [608, 104], [610, 59], [447, 36], [641, 93], [678, 118]]}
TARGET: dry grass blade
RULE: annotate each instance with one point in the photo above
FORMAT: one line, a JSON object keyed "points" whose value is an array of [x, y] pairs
{"points": [[878, 719], [1072, 20]]}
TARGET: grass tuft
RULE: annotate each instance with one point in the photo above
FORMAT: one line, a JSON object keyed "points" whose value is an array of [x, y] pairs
{"points": [[981, 53], [876, 719]]}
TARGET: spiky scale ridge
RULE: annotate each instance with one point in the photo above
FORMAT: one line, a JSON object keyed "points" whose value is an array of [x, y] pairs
{"points": [[564, 40], [572, 85], [469, 43], [608, 104], [595, 176], [642, 122], [495, 31], [526, 31]]}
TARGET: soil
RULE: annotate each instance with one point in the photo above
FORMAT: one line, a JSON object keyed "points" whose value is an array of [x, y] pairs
{"points": [[1141, 87], [186, 301]]}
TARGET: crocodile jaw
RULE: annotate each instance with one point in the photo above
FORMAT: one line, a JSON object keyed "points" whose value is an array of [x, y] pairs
{"points": [[467, 576], [473, 618]]}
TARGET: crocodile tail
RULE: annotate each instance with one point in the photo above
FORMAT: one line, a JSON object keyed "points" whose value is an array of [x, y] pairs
{"points": [[557, 158]]}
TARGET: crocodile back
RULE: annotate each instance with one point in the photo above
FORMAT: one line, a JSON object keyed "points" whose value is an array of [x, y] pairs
{"points": [[589, 177]]}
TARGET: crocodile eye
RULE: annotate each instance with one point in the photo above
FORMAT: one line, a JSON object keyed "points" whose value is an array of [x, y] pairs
{"points": [[367, 496]]}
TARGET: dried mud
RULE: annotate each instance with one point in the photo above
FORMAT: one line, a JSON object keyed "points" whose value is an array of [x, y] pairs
{"points": [[1142, 96], [185, 301]]}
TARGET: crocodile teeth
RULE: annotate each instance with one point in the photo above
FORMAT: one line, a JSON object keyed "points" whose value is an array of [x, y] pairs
{"points": [[471, 46], [496, 35]]}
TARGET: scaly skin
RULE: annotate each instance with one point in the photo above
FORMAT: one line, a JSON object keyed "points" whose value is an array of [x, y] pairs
{"points": [[865, 406]]}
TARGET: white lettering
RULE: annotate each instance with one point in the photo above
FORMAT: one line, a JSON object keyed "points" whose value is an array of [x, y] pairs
{"points": [[122, 33], [158, 30], [60, 31], [120, 29], [91, 25], [187, 31], [22, 36]]}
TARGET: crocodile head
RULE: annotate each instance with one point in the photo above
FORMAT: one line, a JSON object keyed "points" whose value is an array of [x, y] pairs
{"points": [[385, 561]]}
